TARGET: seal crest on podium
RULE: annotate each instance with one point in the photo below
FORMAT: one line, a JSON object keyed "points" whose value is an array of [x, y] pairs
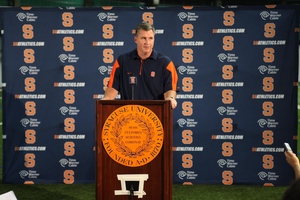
{"points": [[132, 135]]}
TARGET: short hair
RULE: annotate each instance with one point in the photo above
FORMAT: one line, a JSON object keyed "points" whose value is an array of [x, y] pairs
{"points": [[144, 26]]}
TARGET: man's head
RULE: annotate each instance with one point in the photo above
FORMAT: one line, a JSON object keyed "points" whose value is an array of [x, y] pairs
{"points": [[144, 39], [144, 26]]}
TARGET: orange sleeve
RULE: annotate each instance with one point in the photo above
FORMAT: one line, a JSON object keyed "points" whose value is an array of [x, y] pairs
{"points": [[112, 74], [172, 69]]}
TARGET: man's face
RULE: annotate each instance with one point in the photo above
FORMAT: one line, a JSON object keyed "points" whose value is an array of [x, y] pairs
{"points": [[145, 42]]}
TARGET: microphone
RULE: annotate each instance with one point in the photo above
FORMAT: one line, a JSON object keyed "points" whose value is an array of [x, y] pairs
{"points": [[132, 82]]}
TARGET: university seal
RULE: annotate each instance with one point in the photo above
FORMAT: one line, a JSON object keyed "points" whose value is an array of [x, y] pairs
{"points": [[132, 135]]}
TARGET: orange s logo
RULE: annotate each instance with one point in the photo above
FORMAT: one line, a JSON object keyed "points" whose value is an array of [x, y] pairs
{"points": [[227, 96], [227, 125], [187, 55], [29, 84], [69, 149], [187, 84], [268, 85], [269, 30], [228, 43], [268, 108], [268, 162], [29, 56], [108, 55], [69, 177], [68, 43], [227, 72], [30, 136], [108, 32], [30, 108], [187, 137], [187, 30], [27, 31], [227, 149], [69, 125], [228, 18], [268, 138], [269, 55], [67, 19], [187, 108], [227, 177], [29, 160], [148, 17], [187, 160], [69, 72], [69, 96]]}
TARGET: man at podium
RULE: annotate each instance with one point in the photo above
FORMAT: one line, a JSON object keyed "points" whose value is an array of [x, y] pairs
{"points": [[143, 73]]}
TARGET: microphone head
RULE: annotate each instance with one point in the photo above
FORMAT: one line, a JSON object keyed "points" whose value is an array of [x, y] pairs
{"points": [[132, 78]]}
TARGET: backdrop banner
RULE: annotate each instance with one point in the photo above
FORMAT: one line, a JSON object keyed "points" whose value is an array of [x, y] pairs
{"points": [[237, 104]]}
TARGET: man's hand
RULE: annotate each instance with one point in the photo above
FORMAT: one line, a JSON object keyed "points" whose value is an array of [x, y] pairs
{"points": [[171, 95], [110, 94], [173, 102]]}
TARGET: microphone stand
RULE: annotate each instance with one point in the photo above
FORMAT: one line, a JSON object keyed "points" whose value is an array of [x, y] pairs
{"points": [[132, 82], [132, 92], [131, 192]]}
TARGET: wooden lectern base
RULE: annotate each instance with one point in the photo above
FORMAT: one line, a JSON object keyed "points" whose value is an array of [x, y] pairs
{"points": [[149, 163]]}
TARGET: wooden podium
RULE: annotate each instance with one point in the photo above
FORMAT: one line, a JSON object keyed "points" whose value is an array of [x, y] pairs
{"points": [[120, 123]]}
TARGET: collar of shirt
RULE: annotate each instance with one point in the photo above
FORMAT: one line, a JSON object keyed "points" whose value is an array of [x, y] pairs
{"points": [[134, 55]]}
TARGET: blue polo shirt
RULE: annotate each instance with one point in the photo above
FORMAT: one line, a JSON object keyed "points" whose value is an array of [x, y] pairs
{"points": [[153, 76]]}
